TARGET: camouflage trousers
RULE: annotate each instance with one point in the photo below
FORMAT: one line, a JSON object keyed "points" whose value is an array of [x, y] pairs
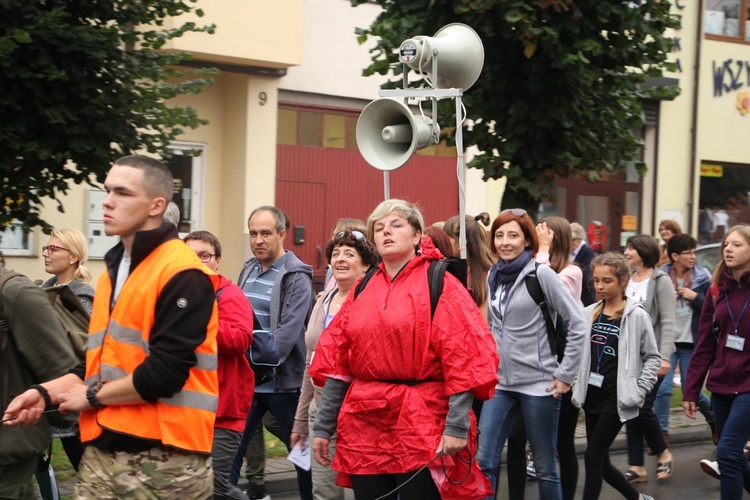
{"points": [[152, 474]]}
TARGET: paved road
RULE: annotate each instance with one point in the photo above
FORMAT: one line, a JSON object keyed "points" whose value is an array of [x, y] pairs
{"points": [[688, 482]]}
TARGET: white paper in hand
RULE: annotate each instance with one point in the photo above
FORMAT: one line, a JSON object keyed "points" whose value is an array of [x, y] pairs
{"points": [[300, 455]]}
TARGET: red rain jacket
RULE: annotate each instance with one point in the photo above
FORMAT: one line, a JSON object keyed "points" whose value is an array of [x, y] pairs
{"points": [[385, 336]]}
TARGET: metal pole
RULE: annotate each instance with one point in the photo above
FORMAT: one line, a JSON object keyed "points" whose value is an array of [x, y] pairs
{"points": [[461, 180], [386, 186]]}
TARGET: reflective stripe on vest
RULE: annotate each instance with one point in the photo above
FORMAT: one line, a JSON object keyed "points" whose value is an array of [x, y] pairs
{"points": [[119, 343]]}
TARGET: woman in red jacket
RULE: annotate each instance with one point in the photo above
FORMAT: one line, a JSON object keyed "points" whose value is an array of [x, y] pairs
{"points": [[722, 333], [399, 382]]}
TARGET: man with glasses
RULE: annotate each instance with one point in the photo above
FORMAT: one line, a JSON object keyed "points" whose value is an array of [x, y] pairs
{"points": [[691, 283], [279, 287], [236, 379]]}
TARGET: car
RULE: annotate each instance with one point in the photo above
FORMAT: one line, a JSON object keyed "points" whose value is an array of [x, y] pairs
{"points": [[708, 255]]}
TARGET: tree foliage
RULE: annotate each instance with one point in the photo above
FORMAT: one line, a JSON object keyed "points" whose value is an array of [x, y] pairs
{"points": [[84, 82], [560, 93]]}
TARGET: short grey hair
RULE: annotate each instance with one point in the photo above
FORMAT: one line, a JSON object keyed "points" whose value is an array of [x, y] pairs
{"points": [[172, 214], [577, 231], [281, 220], [407, 210]]}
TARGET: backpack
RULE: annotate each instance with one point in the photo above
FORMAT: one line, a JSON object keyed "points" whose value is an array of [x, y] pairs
{"points": [[263, 354], [556, 331], [435, 276], [74, 319]]}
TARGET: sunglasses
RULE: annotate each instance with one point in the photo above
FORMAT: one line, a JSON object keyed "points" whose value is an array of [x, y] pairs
{"points": [[520, 212], [53, 248], [357, 234]]}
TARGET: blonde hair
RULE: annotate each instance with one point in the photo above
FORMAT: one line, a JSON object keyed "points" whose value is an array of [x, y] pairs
{"points": [[620, 267], [744, 231], [75, 242], [407, 210]]}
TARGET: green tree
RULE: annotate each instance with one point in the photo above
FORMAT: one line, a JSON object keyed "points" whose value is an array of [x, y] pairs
{"points": [[84, 83], [560, 92]]}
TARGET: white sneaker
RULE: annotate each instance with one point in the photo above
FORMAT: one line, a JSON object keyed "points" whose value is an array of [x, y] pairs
{"points": [[676, 382], [711, 468]]}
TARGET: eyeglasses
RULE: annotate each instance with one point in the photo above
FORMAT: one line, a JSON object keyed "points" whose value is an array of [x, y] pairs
{"points": [[520, 212], [688, 252], [206, 257], [53, 248], [357, 234]]}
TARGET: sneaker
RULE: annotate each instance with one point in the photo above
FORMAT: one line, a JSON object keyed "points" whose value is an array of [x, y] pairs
{"points": [[711, 468], [255, 492], [530, 469]]}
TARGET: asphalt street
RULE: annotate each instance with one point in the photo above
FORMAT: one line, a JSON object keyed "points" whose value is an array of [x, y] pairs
{"points": [[688, 482]]}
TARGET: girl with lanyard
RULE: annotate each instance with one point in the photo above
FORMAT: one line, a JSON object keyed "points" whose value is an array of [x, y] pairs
{"points": [[618, 369], [724, 326]]}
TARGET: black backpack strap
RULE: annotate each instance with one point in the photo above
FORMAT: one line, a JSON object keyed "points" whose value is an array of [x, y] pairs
{"points": [[536, 292], [363, 282], [435, 276]]}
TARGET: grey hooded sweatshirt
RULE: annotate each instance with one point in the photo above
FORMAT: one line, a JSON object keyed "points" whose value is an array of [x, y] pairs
{"points": [[638, 360]]}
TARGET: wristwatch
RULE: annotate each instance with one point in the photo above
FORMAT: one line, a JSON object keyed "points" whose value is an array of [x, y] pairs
{"points": [[91, 395]]}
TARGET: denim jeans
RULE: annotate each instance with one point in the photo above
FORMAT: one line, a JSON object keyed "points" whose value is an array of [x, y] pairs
{"points": [[733, 427], [540, 414], [283, 406], [661, 405]]}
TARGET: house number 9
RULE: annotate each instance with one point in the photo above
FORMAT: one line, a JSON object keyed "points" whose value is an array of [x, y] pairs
{"points": [[262, 98]]}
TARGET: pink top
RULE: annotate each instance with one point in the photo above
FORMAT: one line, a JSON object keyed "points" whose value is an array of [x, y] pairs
{"points": [[572, 276]]}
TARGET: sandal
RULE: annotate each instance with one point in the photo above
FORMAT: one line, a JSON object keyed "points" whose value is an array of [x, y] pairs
{"points": [[664, 470], [633, 477]]}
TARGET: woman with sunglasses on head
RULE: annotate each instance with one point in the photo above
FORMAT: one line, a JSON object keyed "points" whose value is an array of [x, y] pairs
{"points": [[64, 255], [723, 355], [531, 378], [350, 255], [652, 288], [399, 378], [667, 229]]}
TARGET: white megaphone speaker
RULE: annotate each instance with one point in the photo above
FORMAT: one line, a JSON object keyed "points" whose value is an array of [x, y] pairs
{"points": [[459, 52], [388, 133]]}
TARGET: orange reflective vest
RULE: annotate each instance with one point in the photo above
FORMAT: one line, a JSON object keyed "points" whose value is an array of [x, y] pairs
{"points": [[119, 342]]}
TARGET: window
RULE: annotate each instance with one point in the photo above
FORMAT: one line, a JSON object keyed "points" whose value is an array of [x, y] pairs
{"points": [[727, 19], [188, 185], [15, 242]]}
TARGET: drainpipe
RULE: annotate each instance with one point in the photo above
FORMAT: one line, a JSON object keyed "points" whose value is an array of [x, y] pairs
{"points": [[694, 121]]}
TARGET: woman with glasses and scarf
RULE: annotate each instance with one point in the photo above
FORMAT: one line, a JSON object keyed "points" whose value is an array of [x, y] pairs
{"points": [[399, 379], [531, 378]]}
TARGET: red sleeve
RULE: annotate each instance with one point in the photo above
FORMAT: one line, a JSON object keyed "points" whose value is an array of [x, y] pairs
{"points": [[235, 321]]}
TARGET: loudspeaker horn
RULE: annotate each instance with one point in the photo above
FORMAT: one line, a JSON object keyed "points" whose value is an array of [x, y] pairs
{"points": [[388, 133], [459, 51]]}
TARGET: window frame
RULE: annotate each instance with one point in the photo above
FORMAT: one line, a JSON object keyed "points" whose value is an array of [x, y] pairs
{"points": [[742, 32]]}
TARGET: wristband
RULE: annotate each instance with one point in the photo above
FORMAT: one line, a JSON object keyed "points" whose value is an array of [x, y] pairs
{"points": [[91, 395], [44, 393]]}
